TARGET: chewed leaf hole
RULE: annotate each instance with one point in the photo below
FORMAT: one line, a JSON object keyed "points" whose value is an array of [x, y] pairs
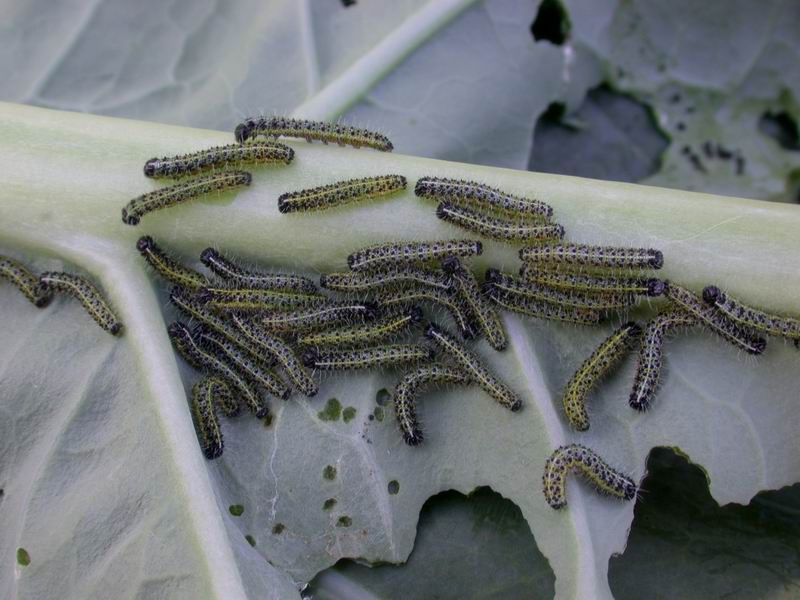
{"points": [[551, 23]]}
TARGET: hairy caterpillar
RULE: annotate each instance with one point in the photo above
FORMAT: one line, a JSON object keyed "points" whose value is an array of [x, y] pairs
{"points": [[474, 368], [206, 421], [499, 229], [344, 135], [715, 320], [341, 192], [747, 316], [285, 355], [508, 285], [219, 156], [446, 299], [87, 294], [361, 281], [470, 193], [367, 358], [487, 318], [405, 396], [167, 267], [188, 347], [254, 369], [318, 317], [367, 333], [595, 256], [250, 279], [402, 253], [543, 310], [26, 282], [181, 192], [592, 284], [613, 349], [651, 354], [586, 462], [223, 396], [255, 299], [184, 301]]}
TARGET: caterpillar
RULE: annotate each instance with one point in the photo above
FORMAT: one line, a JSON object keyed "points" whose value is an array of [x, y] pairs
{"points": [[188, 347], [749, 317], [367, 333], [86, 293], [26, 282], [277, 348], [191, 307], [478, 195], [206, 421], [367, 358], [510, 286], [361, 281], [403, 253], [613, 349], [311, 130], [586, 462], [223, 396], [472, 365], [715, 320], [609, 257], [444, 298], [499, 229], [167, 267], [182, 192], [486, 316], [254, 369], [592, 284], [651, 354], [405, 396], [318, 317], [238, 276], [219, 156], [341, 192], [543, 310], [255, 299]]}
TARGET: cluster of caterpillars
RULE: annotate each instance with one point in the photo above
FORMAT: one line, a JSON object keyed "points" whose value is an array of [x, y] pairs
{"points": [[284, 321]]}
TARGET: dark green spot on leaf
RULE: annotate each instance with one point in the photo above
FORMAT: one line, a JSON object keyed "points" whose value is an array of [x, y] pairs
{"points": [[236, 510], [394, 486], [348, 414], [332, 411], [329, 472], [278, 529], [23, 558], [329, 504], [250, 540], [344, 521]]}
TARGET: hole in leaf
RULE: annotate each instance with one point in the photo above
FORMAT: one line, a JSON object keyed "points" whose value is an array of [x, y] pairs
{"points": [[781, 127], [684, 545], [611, 136], [382, 397], [551, 23], [502, 555]]}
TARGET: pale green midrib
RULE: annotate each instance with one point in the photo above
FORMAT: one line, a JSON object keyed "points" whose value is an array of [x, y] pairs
{"points": [[354, 83]]}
